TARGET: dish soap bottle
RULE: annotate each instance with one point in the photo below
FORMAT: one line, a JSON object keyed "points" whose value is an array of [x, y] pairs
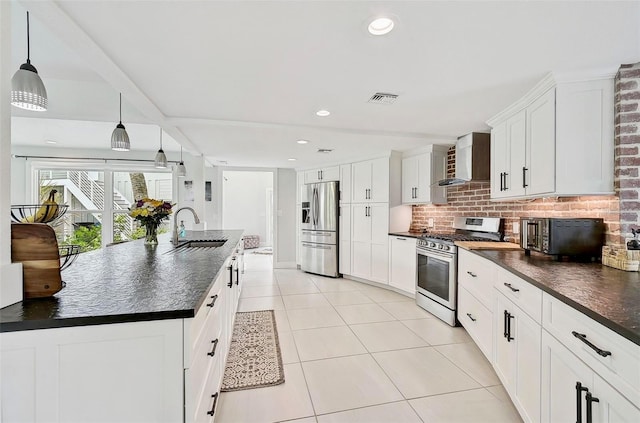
{"points": [[182, 232]]}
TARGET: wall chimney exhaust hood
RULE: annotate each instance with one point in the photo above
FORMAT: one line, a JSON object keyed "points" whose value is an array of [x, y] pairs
{"points": [[473, 160]]}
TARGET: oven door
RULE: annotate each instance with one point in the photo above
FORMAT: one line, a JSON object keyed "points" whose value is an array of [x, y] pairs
{"points": [[436, 277]]}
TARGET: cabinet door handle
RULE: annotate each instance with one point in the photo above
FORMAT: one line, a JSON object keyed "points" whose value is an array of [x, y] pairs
{"points": [[507, 326], [524, 177], [213, 351], [508, 285], [473, 275], [318, 175], [590, 400], [213, 300], [501, 181], [473, 319], [505, 182], [579, 390], [506, 317], [583, 338], [213, 407], [230, 284], [237, 275]]}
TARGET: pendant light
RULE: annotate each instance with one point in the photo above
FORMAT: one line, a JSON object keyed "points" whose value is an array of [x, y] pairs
{"points": [[119, 137], [181, 171], [161, 159], [27, 89]]}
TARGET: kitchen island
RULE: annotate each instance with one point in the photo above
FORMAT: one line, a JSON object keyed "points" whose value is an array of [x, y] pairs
{"points": [[140, 333], [128, 282]]}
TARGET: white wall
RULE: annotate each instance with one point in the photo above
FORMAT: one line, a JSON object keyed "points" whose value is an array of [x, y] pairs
{"points": [[244, 202], [285, 203], [10, 274]]}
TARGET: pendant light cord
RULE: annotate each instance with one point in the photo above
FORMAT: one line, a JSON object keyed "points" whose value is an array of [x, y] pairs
{"points": [[121, 108], [180, 153], [160, 138], [28, 43]]}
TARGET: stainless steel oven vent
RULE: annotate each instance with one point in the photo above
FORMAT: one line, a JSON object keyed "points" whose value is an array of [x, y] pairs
{"points": [[383, 98]]}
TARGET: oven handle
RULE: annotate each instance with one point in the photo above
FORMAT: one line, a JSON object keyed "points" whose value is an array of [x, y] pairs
{"points": [[433, 254]]}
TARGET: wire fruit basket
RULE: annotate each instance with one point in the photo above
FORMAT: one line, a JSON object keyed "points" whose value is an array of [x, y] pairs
{"points": [[68, 254], [37, 213]]}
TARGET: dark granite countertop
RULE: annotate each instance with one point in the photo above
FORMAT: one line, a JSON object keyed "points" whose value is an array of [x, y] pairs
{"points": [[607, 295], [407, 234], [128, 282]]}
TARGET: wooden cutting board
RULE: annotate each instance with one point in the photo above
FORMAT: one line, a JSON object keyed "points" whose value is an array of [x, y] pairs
{"points": [[487, 245], [35, 246]]}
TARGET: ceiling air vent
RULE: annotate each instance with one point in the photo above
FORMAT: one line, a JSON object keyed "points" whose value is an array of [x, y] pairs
{"points": [[324, 150], [383, 98]]}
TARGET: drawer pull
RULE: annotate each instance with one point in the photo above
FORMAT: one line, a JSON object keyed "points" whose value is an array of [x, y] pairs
{"points": [[508, 285], [473, 275], [583, 338], [213, 300], [473, 319], [215, 401], [213, 351]]}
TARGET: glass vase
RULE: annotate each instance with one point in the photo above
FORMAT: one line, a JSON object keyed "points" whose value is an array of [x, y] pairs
{"points": [[151, 236]]}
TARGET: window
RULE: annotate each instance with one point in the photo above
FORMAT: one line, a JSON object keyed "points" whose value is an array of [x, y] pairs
{"points": [[99, 201]]}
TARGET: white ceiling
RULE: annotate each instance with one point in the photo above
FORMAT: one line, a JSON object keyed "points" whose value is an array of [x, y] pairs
{"points": [[240, 81]]}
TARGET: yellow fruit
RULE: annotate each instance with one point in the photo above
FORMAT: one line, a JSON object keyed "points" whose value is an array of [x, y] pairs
{"points": [[46, 212]]}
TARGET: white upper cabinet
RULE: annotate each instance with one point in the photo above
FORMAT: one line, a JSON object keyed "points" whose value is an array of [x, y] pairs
{"points": [[420, 175], [322, 175], [370, 181], [555, 141]]}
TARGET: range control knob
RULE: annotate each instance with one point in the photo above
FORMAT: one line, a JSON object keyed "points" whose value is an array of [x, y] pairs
{"points": [[440, 246], [446, 247], [432, 244]]}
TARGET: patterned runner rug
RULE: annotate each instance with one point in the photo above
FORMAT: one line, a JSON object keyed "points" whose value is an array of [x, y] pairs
{"points": [[254, 359]]}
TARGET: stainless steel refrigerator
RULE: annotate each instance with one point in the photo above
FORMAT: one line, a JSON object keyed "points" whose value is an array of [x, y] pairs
{"points": [[319, 229]]}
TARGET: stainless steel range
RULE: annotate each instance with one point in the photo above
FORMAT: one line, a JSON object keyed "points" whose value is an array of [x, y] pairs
{"points": [[437, 261]]}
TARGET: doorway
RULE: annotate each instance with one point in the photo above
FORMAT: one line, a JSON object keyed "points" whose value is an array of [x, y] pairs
{"points": [[247, 203]]}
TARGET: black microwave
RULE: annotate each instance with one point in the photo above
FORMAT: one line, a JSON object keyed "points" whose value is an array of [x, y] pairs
{"points": [[562, 237]]}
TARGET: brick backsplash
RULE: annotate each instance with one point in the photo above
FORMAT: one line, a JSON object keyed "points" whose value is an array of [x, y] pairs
{"points": [[472, 199], [627, 141]]}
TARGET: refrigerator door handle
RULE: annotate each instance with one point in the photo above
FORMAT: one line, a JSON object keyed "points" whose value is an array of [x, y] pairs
{"points": [[316, 206]]}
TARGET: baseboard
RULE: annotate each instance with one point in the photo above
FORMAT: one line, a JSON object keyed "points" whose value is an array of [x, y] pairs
{"points": [[380, 285], [11, 284]]}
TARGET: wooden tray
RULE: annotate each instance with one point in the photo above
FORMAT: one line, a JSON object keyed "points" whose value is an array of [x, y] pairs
{"points": [[35, 246], [487, 245]]}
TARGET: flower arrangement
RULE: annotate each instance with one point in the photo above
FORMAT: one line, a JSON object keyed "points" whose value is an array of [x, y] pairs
{"points": [[148, 210], [151, 213]]}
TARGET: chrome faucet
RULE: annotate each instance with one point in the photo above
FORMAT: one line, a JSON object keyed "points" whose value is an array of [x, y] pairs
{"points": [[175, 220]]}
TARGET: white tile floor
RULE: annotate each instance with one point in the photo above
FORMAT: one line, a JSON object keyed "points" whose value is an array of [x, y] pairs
{"points": [[357, 353]]}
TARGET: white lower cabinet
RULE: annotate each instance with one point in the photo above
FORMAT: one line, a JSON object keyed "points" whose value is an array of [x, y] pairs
{"points": [[369, 239], [573, 392], [477, 320], [402, 263], [344, 261], [517, 356], [125, 372]]}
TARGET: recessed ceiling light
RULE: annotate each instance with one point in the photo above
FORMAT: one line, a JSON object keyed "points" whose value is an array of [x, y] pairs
{"points": [[323, 113], [380, 26], [292, 159], [302, 142], [51, 141]]}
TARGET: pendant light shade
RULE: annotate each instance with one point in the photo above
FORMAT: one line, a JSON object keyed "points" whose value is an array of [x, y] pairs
{"points": [[27, 89], [181, 170], [161, 158], [119, 137]]}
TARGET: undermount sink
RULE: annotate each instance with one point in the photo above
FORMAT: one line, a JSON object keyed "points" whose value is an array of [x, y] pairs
{"points": [[197, 243]]}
